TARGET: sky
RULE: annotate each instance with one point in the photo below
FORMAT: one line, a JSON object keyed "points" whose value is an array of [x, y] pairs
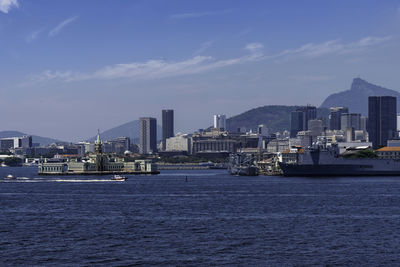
{"points": [[70, 67]]}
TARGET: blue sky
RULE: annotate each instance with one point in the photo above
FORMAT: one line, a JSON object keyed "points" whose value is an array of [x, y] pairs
{"points": [[70, 67]]}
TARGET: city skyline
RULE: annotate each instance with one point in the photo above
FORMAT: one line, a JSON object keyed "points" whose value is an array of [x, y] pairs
{"points": [[98, 65]]}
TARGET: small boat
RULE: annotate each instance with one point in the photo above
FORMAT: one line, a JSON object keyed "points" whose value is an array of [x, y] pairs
{"points": [[118, 178], [10, 176]]}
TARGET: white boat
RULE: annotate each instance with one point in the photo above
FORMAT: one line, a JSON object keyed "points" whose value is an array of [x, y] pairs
{"points": [[10, 176], [118, 178]]}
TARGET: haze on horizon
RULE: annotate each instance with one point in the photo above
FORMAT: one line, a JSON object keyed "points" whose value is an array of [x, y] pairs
{"points": [[71, 67]]}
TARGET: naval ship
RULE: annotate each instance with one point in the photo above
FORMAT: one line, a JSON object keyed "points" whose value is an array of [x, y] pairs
{"points": [[320, 160], [242, 164]]}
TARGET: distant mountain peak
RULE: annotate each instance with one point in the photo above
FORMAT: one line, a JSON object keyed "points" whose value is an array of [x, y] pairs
{"points": [[359, 84], [356, 99]]}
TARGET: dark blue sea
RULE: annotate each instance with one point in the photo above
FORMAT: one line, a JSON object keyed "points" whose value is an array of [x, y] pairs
{"points": [[213, 219]]}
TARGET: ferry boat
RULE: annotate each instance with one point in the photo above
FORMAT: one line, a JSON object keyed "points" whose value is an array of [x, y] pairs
{"points": [[10, 176], [118, 178]]}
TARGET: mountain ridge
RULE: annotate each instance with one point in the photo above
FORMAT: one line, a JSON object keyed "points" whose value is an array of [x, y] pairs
{"points": [[128, 129], [276, 117]]}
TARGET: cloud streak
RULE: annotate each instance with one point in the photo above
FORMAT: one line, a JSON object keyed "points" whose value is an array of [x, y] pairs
{"points": [[155, 69], [204, 46], [199, 14], [332, 47], [33, 36], [7, 5], [55, 31]]}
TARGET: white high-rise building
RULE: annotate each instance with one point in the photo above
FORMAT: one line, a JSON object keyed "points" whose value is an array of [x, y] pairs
{"points": [[398, 122], [220, 121]]}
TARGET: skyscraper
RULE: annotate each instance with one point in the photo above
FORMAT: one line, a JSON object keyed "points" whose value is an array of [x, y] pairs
{"points": [[382, 112], [350, 120], [220, 121], [335, 117], [167, 125], [296, 123], [148, 135], [299, 119]]}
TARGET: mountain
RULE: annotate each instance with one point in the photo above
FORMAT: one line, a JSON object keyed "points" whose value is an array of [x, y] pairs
{"points": [[43, 141], [356, 99], [277, 118], [129, 129]]}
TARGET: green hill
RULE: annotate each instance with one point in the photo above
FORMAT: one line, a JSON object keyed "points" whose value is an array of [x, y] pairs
{"points": [[277, 118]]}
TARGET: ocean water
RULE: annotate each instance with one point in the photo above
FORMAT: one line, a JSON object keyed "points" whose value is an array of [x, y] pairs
{"points": [[213, 219]]}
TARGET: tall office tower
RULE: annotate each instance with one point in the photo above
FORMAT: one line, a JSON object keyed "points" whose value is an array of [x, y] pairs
{"points": [[382, 115], [296, 123], [350, 120], [148, 135], [309, 113], [220, 122], [335, 117], [299, 119], [167, 126]]}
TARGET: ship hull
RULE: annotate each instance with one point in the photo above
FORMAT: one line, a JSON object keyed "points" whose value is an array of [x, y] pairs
{"points": [[337, 170], [244, 171]]}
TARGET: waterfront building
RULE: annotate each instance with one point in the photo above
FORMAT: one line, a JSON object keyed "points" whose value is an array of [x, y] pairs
{"points": [[98, 162], [214, 141], [278, 145], [335, 117], [350, 120], [382, 119], [15, 142], [220, 122], [148, 135], [180, 142], [167, 126], [392, 152]]}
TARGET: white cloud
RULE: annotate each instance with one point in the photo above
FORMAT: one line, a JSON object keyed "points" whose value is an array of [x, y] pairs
{"points": [[254, 47], [6, 5], [151, 69], [60, 26], [155, 69], [199, 14]]}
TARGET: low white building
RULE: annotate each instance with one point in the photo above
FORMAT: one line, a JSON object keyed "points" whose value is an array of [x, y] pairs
{"points": [[180, 142]]}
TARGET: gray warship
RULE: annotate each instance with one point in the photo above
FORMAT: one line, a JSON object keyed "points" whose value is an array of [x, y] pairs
{"points": [[320, 160], [242, 164]]}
